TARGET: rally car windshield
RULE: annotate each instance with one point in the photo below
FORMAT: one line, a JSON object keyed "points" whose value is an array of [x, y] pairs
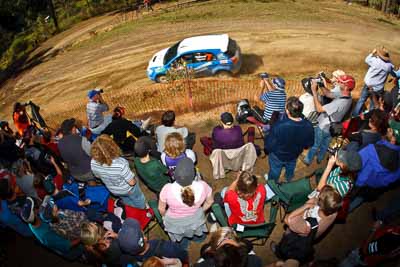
{"points": [[171, 53]]}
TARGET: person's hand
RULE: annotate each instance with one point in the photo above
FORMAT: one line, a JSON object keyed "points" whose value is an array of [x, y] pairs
{"points": [[381, 103], [374, 51], [110, 235], [262, 83], [362, 116], [168, 261], [52, 160], [332, 160], [314, 87]]}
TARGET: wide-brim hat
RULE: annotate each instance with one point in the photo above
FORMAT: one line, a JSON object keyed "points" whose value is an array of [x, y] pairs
{"points": [[383, 53]]}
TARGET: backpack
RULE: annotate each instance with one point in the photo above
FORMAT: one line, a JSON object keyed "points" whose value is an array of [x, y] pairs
{"points": [[295, 246], [243, 111]]}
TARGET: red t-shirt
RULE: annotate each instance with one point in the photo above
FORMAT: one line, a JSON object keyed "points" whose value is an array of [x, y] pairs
{"points": [[250, 211]]}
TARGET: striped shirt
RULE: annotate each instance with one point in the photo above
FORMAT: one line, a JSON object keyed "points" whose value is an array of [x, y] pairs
{"points": [[94, 113], [116, 177], [273, 101], [340, 183]]}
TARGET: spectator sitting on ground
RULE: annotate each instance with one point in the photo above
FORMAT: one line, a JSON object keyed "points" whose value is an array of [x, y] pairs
{"points": [[175, 151], [283, 145], [133, 242], [113, 170], [46, 236], [217, 253], [187, 200], [123, 131], [151, 170], [244, 200], [75, 151], [102, 247], [167, 127], [21, 119], [332, 112], [65, 223], [274, 97], [94, 110], [227, 135], [377, 125], [380, 67]]}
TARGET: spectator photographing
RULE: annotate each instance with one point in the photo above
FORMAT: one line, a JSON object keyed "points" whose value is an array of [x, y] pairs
{"points": [[108, 165], [274, 97], [95, 108], [380, 67], [332, 112], [283, 146]]}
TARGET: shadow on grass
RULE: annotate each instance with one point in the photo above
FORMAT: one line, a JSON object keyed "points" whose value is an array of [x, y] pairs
{"points": [[385, 21], [26, 63], [250, 63]]}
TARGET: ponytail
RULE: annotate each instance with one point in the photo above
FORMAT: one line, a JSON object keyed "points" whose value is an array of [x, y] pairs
{"points": [[187, 196]]}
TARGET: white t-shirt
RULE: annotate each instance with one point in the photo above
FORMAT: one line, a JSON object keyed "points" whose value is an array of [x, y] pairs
{"points": [[308, 102], [162, 132]]}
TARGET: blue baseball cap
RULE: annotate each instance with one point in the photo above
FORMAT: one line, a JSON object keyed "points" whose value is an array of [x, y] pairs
{"points": [[279, 83], [93, 93], [130, 237]]}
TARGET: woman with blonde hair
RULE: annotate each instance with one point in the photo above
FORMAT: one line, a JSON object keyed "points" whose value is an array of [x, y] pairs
{"points": [[187, 199], [175, 150], [113, 170]]}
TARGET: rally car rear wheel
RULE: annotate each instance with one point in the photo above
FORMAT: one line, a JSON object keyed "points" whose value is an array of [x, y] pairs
{"points": [[161, 79]]}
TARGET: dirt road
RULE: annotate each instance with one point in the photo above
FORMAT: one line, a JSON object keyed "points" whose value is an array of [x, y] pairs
{"points": [[284, 42]]}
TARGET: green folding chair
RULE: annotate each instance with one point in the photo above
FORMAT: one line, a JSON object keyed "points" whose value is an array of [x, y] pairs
{"points": [[292, 195], [257, 234]]}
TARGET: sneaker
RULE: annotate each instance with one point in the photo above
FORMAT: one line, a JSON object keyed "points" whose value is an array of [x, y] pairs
{"points": [[146, 123]]}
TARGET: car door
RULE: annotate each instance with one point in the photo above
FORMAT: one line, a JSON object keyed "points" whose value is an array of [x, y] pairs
{"points": [[203, 63]]}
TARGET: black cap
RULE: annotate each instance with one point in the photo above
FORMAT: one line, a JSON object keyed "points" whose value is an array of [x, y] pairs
{"points": [[227, 118], [184, 172], [67, 125]]}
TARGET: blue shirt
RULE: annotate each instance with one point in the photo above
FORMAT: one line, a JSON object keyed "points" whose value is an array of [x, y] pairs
{"points": [[273, 101], [378, 71], [288, 138], [372, 173]]}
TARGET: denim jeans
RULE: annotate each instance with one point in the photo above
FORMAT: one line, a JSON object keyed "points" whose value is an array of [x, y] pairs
{"points": [[352, 260], [321, 144], [135, 197], [365, 94], [276, 166]]}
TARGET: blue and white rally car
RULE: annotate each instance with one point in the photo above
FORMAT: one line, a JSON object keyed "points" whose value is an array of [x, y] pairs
{"points": [[207, 55]]}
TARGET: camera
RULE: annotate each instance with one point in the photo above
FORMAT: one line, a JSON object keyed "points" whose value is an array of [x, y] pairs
{"points": [[306, 82], [332, 150], [264, 75], [100, 90]]}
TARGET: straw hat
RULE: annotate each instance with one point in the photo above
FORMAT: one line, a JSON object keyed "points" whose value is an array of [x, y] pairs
{"points": [[383, 53]]}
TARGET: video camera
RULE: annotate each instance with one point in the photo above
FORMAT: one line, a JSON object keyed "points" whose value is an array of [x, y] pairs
{"points": [[264, 75], [306, 82]]}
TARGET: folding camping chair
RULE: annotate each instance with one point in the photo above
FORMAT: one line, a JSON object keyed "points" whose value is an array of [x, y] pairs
{"points": [[257, 234]]}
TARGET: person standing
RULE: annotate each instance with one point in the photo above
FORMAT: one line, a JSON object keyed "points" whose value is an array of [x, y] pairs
{"points": [[380, 67], [273, 95], [113, 170], [287, 140], [332, 112]]}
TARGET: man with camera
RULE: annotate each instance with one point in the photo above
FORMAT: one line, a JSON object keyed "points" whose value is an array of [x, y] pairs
{"points": [[380, 67], [273, 95], [94, 110], [329, 114]]}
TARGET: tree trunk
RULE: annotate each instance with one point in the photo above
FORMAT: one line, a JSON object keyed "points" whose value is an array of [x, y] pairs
{"points": [[383, 7], [53, 14]]}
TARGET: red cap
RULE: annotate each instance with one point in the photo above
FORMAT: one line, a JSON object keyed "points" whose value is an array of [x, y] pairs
{"points": [[347, 80]]}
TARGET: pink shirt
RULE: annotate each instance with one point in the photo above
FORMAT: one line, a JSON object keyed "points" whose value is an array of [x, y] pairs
{"points": [[171, 194]]}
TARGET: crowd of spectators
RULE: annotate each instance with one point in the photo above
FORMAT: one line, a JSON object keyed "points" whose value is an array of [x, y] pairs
{"points": [[57, 186]]}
